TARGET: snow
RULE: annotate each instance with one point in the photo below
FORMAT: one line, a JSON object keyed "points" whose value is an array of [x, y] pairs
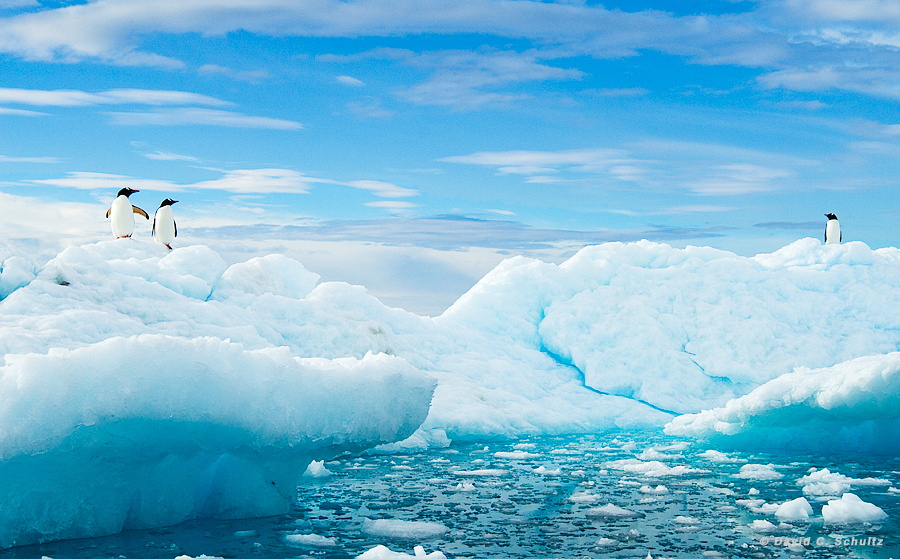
{"points": [[851, 406], [850, 509], [157, 386]]}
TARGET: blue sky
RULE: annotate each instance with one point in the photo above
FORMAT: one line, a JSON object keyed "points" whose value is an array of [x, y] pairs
{"points": [[409, 146]]}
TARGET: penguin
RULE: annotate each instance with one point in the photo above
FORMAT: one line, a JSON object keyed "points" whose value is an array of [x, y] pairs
{"points": [[164, 228], [122, 213], [832, 230]]}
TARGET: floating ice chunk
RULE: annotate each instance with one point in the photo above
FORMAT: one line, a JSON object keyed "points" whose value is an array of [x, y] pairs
{"points": [[465, 486], [606, 542], [408, 529], [310, 540], [826, 483], [487, 472], [517, 455], [798, 509], [585, 497], [720, 457], [653, 468], [761, 472], [655, 454], [544, 470], [763, 527], [612, 512], [658, 490], [686, 520], [199, 557], [382, 552], [850, 509], [317, 468]]}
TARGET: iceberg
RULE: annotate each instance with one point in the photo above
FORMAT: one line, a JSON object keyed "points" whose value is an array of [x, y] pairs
{"points": [[850, 407], [156, 386], [154, 430]]}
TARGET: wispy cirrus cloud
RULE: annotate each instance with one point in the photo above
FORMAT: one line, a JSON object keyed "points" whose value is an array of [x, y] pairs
{"points": [[702, 169], [12, 159], [77, 98], [237, 181], [187, 116]]}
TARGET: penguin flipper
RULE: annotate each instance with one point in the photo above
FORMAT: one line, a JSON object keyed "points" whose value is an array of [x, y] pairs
{"points": [[153, 228], [137, 210], [107, 213], [175, 225]]}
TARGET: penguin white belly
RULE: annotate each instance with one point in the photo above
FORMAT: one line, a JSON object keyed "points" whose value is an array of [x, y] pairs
{"points": [[832, 232], [164, 225], [121, 214]]}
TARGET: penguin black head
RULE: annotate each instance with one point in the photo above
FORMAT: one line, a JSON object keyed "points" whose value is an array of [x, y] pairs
{"points": [[168, 202], [127, 192], [831, 216]]}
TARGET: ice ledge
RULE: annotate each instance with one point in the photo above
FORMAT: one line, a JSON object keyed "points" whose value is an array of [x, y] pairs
{"points": [[155, 430]]}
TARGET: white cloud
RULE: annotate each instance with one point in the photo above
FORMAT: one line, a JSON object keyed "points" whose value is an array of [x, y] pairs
{"points": [[11, 159], [186, 116], [77, 98], [391, 205], [21, 112], [242, 181], [350, 81], [383, 189], [252, 76]]}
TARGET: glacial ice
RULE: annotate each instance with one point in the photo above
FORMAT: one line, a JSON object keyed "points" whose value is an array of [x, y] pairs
{"points": [[168, 385], [852, 406], [850, 509]]}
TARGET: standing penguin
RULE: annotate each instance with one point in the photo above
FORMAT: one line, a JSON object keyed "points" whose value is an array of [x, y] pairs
{"points": [[122, 214], [832, 230], [164, 228]]}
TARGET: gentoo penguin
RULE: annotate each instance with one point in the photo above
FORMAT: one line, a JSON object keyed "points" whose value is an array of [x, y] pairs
{"points": [[122, 213], [164, 228], [832, 230]]}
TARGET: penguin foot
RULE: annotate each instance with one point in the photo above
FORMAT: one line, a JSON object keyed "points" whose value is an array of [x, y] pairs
{"points": [[124, 237], [169, 247]]}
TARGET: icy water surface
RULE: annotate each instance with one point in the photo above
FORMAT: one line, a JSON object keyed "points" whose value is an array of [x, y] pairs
{"points": [[578, 497]]}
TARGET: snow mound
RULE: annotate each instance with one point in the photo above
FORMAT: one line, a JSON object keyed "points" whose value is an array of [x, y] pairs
{"points": [[153, 430], [852, 406], [850, 509]]}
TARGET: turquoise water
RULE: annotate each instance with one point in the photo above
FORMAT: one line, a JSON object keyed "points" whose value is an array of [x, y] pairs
{"points": [[544, 497]]}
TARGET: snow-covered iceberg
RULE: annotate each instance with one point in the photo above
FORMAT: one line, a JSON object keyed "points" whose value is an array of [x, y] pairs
{"points": [[853, 406]]}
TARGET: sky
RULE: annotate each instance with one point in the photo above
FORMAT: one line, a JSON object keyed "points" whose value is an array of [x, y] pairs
{"points": [[411, 145]]}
